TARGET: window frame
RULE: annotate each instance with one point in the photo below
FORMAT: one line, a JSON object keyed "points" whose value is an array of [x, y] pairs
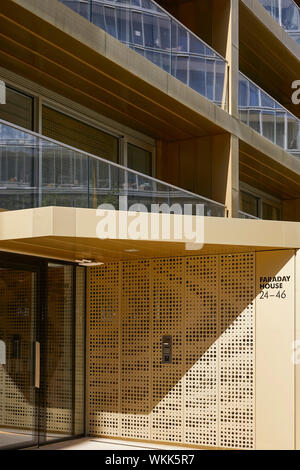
{"points": [[262, 198]]}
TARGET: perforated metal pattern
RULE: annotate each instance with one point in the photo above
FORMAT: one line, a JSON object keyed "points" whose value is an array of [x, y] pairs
{"points": [[206, 395], [167, 379], [237, 294], [103, 355], [79, 351], [135, 350], [201, 330]]}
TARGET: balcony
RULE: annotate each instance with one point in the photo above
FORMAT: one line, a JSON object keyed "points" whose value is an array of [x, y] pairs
{"points": [[266, 116], [287, 14], [36, 171], [152, 32]]}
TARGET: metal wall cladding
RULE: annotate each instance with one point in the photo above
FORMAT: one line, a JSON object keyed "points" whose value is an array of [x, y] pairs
{"points": [[206, 396]]}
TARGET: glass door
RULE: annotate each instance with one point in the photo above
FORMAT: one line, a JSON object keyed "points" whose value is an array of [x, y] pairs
{"points": [[19, 357], [42, 351]]}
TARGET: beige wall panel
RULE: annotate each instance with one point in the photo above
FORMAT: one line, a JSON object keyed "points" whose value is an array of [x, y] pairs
{"points": [[274, 342]]}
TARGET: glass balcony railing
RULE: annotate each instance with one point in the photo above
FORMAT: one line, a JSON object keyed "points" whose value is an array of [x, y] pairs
{"points": [[287, 14], [244, 215], [36, 171], [152, 32], [269, 118]]}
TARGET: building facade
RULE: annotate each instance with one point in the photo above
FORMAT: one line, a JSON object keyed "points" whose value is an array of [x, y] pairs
{"points": [[177, 116]]}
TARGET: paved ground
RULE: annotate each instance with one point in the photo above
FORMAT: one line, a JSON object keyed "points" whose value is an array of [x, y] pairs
{"points": [[13, 437], [8, 438], [89, 443]]}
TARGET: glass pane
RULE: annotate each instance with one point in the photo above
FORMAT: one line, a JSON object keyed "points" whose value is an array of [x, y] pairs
{"points": [[17, 337], [18, 152], [58, 379], [254, 120], [106, 184], [293, 132], [270, 212], [123, 25], [153, 33], [137, 28], [110, 21], [243, 91], [198, 76], [248, 204], [268, 125], [61, 176], [64, 176], [70, 131], [98, 15], [139, 159], [80, 6], [180, 66], [280, 129], [254, 95], [18, 109], [268, 117]]}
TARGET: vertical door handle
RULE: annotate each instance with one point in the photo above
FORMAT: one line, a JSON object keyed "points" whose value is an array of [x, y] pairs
{"points": [[37, 364]]}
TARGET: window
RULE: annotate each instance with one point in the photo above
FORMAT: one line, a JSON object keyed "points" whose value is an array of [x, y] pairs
{"points": [[258, 204], [270, 212], [249, 204], [18, 109], [139, 159], [70, 131]]}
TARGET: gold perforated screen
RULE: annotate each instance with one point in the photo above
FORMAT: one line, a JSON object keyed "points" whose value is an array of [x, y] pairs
{"points": [[206, 395]]}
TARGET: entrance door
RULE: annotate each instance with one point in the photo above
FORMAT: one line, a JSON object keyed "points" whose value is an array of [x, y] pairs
{"points": [[42, 351], [19, 357]]}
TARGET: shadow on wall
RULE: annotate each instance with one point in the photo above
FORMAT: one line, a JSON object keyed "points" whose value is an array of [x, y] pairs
{"points": [[207, 305]]}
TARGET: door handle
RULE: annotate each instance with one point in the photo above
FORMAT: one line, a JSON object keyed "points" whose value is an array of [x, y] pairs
{"points": [[37, 364]]}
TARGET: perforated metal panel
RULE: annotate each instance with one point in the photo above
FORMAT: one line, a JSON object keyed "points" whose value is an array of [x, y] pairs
{"points": [[167, 379], [237, 297], [201, 349], [79, 352], [103, 354], [206, 395], [135, 344]]}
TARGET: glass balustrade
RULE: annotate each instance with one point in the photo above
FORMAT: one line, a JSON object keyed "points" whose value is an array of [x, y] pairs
{"points": [[287, 14], [244, 215], [269, 118], [36, 171], [152, 32]]}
